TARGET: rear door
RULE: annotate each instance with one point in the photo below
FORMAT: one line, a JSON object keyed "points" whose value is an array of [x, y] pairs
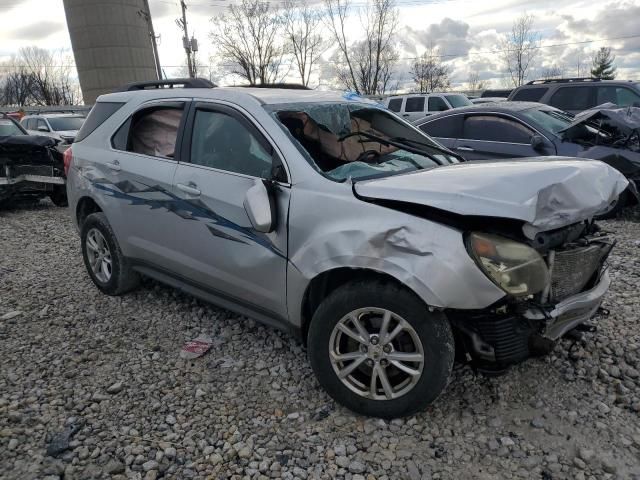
{"points": [[225, 154], [136, 177], [489, 136]]}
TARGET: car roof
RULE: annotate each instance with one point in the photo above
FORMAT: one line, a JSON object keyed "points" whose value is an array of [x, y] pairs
{"points": [[53, 115], [265, 96], [496, 107]]}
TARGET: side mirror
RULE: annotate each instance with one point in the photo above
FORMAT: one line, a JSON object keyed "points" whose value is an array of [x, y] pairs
{"points": [[537, 142], [42, 129], [259, 203]]}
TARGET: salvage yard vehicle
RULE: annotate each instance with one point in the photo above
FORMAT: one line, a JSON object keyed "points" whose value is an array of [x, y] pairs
{"points": [[575, 95], [525, 129], [62, 126], [330, 217], [417, 105], [30, 166]]}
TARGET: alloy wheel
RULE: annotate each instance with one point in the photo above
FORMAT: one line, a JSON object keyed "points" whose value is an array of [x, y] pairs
{"points": [[99, 255]]}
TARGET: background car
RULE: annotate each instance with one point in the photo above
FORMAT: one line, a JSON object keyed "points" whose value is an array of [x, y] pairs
{"points": [[496, 93], [574, 95], [526, 129], [417, 105], [481, 100], [61, 126]]}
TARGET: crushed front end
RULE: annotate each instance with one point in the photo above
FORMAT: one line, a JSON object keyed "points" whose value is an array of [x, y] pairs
{"points": [[525, 324], [31, 166]]}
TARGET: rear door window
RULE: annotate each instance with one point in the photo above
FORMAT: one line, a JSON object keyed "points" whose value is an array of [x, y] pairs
{"points": [[395, 104], [414, 104], [530, 94], [574, 98], [494, 128], [444, 127], [42, 125], [437, 104]]}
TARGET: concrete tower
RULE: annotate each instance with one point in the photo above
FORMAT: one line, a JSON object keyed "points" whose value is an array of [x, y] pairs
{"points": [[111, 44]]}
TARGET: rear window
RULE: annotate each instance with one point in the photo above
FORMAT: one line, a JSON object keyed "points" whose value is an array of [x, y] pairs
{"points": [[444, 127], [457, 101], [530, 94], [395, 104], [100, 112]]}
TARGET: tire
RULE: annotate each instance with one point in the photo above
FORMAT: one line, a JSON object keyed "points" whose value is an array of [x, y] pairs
{"points": [[368, 300], [59, 197], [623, 201], [121, 278]]}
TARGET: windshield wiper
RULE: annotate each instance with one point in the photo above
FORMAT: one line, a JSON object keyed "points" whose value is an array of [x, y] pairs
{"points": [[393, 142], [435, 147]]}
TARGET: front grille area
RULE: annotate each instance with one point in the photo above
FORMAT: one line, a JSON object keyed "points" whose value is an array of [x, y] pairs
{"points": [[42, 170], [572, 269]]}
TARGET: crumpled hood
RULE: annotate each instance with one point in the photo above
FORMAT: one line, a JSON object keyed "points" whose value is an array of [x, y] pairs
{"points": [[546, 193]]}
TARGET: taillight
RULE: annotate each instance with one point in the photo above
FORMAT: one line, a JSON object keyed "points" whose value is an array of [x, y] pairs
{"points": [[67, 156]]}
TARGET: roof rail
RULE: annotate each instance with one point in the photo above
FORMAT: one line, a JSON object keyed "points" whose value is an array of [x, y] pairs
{"points": [[287, 86], [564, 80], [169, 83]]}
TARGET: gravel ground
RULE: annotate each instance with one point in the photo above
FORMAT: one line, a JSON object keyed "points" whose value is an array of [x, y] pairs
{"points": [[107, 371]]}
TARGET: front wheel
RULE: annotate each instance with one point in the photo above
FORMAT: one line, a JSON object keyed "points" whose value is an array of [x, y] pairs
{"points": [[377, 349]]}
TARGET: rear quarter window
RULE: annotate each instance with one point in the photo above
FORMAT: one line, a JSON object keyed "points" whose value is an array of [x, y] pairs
{"points": [[395, 104], [100, 112], [445, 127]]}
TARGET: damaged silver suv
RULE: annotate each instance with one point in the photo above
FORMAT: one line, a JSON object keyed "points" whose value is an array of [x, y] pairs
{"points": [[330, 217]]}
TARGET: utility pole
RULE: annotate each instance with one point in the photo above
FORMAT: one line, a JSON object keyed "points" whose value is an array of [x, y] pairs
{"points": [[146, 14], [182, 23]]}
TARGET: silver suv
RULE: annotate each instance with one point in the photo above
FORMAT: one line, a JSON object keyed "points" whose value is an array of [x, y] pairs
{"points": [[334, 219]]}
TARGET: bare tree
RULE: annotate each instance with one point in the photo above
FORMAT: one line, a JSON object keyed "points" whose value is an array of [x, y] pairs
{"points": [[520, 48], [302, 26], [553, 71], [36, 76], [248, 37], [429, 72], [474, 83], [368, 64]]}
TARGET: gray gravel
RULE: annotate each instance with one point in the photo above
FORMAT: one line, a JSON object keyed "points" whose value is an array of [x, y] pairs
{"points": [[100, 379]]}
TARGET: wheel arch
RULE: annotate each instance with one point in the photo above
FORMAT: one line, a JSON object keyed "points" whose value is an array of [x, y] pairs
{"points": [[326, 282], [85, 207]]}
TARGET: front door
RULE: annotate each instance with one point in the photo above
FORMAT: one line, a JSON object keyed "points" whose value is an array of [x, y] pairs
{"points": [[224, 155]]}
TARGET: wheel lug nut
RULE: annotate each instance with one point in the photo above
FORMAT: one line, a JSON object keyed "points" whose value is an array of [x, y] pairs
{"points": [[386, 349], [374, 340], [370, 363], [384, 362]]}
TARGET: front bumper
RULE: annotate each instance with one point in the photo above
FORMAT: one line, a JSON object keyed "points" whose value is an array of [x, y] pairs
{"points": [[572, 311], [504, 336]]}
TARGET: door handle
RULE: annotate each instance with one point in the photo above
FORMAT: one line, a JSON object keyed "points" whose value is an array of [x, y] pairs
{"points": [[465, 149], [115, 166], [190, 189], [405, 114]]}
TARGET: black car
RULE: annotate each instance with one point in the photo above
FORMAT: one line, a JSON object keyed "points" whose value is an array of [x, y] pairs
{"points": [[523, 129], [31, 166]]}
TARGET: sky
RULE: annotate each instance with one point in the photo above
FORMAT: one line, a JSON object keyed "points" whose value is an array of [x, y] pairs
{"points": [[466, 33]]}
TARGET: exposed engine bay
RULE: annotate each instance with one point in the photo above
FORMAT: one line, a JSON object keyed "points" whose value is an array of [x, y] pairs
{"points": [[31, 166]]}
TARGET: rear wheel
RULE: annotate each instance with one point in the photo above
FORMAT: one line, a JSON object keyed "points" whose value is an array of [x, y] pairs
{"points": [[623, 200], [377, 349], [105, 263]]}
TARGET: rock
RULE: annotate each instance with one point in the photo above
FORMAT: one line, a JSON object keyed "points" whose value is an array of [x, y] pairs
{"points": [[115, 388], [537, 422], [216, 459], [507, 442], [170, 419], [10, 315], [114, 467], [609, 466], [150, 465], [170, 453], [586, 454], [13, 443], [357, 467], [342, 462]]}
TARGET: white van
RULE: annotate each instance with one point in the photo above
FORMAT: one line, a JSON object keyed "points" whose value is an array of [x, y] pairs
{"points": [[415, 106]]}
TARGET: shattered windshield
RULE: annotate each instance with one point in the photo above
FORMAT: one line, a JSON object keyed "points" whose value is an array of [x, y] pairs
{"points": [[8, 128], [353, 140]]}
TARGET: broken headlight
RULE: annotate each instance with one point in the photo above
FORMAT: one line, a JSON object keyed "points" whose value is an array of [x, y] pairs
{"points": [[515, 267]]}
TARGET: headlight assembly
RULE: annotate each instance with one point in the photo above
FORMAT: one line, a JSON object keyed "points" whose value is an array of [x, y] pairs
{"points": [[515, 267]]}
